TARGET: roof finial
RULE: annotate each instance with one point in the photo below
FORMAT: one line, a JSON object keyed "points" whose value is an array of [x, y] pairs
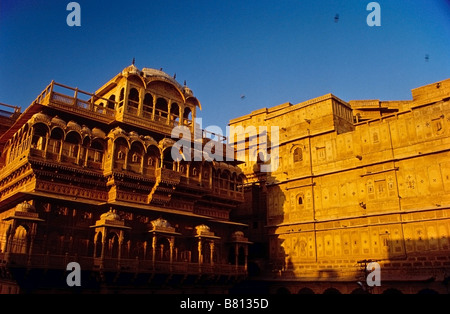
{"points": [[184, 82], [133, 61], [175, 76]]}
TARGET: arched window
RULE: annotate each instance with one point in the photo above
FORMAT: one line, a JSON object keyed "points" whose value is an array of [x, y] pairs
{"points": [[300, 200], [147, 108], [71, 145], [135, 158], [168, 161], [151, 160], [298, 154], [98, 245], [225, 180], [112, 102], [95, 152], [187, 116], [133, 101], [39, 136], [174, 112], [19, 244], [55, 140], [161, 109], [133, 95], [121, 97], [120, 151]]}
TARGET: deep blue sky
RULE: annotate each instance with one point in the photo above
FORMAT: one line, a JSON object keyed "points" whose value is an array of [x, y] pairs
{"points": [[270, 51]]}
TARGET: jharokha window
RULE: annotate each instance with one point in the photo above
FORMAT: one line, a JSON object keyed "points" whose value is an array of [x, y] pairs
{"points": [[148, 106], [298, 156], [135, 158], [133, 101]]}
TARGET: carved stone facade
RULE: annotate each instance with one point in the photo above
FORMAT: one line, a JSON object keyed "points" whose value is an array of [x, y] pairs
{"points": [[357, 181], [91, 178]]}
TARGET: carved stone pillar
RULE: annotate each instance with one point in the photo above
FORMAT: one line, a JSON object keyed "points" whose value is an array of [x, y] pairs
{"points": [[188, 171], [125, 162], [102, 255], [95, 244], [181, 113], [153, 249], [154, 107], [200, 255], [61, 142], [141, 167], [210, 177], [141, 102], [119, 253], [211, 246], [169, 107], [78, 153], [171, 243], [86, 152]]}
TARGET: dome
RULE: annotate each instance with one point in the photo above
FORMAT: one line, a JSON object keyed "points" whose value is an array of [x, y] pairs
{"points": [[111, 215], [153, 73], [58, 122], [149, 140], [187, 91], [40, 117], [96, 132], [202, 228], [239, 234], [133, 135], [132, 69], [72, 125], [166, 142], [162, 223], [25, 207], [117, 132], [86, 131]]}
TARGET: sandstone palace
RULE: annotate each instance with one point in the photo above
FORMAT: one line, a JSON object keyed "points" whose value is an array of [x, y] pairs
{"points": [[357, 182], [90, 178]]}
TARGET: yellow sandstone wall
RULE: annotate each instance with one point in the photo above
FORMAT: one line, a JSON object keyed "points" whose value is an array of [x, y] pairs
{"points": [[377, 189]]}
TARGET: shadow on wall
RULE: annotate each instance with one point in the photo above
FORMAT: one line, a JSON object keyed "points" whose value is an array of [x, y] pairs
{"points": [[414, 257], [419, 268]]}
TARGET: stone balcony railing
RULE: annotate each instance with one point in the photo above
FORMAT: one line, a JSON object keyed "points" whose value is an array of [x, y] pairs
{"points": [[76, 104], [59, 262], [168, 176]]}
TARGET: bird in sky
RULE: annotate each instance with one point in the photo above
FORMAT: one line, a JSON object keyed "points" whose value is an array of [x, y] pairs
{"points": [[336, 18]]}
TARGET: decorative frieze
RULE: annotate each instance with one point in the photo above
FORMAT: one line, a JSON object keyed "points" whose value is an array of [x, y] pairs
{"points": [[70, 190]]}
